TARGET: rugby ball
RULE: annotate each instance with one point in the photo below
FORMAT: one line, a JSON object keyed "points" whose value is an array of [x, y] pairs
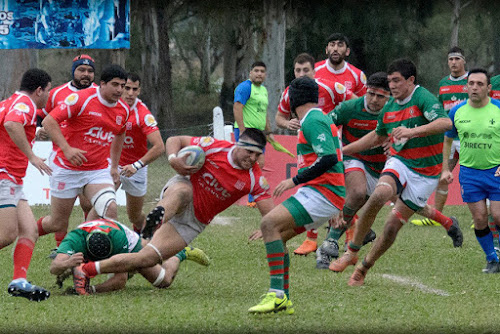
{"points": [[195, 155]]}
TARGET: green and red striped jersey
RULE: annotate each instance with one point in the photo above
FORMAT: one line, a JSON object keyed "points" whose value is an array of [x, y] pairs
{"points": [[495, 87], [318, 136], [357, 121], [423, 155], [452, 91]]}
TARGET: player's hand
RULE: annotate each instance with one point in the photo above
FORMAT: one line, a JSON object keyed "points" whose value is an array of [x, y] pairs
{"points": [[179, 165], [74, 260], [386, 145], [128, 171], [447, 176], [402, 133], [338, 221], [75, 156], [283, 186], [39, 164], [293, 124], [115, 175], [41, 134], [256, 235]]}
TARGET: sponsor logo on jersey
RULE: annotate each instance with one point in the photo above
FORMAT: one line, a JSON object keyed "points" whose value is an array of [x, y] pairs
{"points": [[363, 78], [211, 184], [317, 149], [150, 120], [61, 185], [263, 183], [21, 107], [430, 115], [119, 120], [348, 84], [239, 185], [128, 141], [12, 191], [128, 125], [71, 99], [95, 113], [340, 88], [206, 141], [321, 101], [98, 132], [321, 137]]}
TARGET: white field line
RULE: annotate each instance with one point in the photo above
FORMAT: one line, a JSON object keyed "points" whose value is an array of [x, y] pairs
{"points": [[416, 284], [223, 220]]}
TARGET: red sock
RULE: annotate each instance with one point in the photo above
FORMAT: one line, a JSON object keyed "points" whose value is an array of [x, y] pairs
{"points": [[41, 231], [85, 215], [90, 269], [313, 234], [137, 230], [441, 219], [22, 257], [59, 236]]}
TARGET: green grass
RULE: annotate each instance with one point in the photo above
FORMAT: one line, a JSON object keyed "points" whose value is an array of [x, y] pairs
{"points": [[216, 299]]}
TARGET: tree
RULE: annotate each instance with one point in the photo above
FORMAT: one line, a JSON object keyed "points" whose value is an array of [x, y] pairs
{"points": [[14, 64], [458, 7]]}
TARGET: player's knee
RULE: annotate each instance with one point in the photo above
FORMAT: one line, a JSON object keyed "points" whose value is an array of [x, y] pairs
{"points": [[391, 230], [104, 203], [267, 225], [7, 238], [357, 197]]}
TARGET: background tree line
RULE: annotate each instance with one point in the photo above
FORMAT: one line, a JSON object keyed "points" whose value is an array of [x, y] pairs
{"points": [[191, 54]]}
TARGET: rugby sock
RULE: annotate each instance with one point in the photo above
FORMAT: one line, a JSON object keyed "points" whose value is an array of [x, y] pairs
{"points": [[59, 236], [440, 218], [275, 258], [312, 234], [137, 230], [91, 269], [348, 214], [286, 265], [494, 231], [485, 239], [181, 255], [353, 248], [41, 231], [335, 233], [22, 257]]}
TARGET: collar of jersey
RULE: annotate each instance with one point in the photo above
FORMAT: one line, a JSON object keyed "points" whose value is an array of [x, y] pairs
{"points": [[408, 98], [304, 118], [103, 101], [368, 109], [452, 78], [230, 158], [331, 69]]}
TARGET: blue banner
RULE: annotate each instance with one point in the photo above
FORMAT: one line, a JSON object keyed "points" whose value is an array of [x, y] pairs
{"points": [[42, 24]]}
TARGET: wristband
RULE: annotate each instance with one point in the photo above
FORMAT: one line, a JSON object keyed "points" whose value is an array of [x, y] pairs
{"points": [[138, 164], [171, 156]]}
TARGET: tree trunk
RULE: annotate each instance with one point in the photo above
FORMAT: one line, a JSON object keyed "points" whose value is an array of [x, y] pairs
{"points": [[14, 64], [273, 55], [455, 22]]}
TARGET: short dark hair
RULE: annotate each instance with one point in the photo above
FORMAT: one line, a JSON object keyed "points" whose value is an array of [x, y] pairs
{"points": [[337, 36], [404, 66], [134, 77], [258, 63], [456, 49], [304, 58], [378, 80], [479, 70], [254, 134], [34, 78], [113, 71]]}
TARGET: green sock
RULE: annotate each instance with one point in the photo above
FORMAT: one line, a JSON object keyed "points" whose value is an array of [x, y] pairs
{"points": [[286, 265], [181, 255], [275, 258], [335, 233]]}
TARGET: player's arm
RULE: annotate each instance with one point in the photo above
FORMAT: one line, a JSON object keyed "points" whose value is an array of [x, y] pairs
{"points": [[156, 149], [115, 152], [73, 154], [238, 116], [368, 141], [284, 122], [173, 145], [18, 135], [438, 125], [446, 174], [65, 261]]}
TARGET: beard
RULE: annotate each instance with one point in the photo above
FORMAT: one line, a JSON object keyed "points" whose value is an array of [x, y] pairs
{"points": [[340, 58], [78, 83]]}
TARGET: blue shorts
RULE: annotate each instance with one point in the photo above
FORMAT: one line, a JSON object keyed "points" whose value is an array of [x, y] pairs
{"points": [[478, 184], [237, 137]]}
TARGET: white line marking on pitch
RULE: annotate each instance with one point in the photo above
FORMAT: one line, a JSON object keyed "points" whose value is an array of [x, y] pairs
{"points": [[224, 220], [416, 284]]}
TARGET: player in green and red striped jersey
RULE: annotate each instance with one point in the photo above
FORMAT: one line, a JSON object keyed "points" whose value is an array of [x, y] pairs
{"points": [[415, 122], [452, 91], [320, 197], [495, 87]]}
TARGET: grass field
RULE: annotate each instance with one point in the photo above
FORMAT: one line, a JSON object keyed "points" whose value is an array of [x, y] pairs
{"points": [[422, 285]]}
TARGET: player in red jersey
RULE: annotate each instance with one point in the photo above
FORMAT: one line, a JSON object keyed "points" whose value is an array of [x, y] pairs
{"points": [[141, 129], [17, 133], [330, 94], [189, 204], [94, 134], [82, 70], [336, 69]]}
